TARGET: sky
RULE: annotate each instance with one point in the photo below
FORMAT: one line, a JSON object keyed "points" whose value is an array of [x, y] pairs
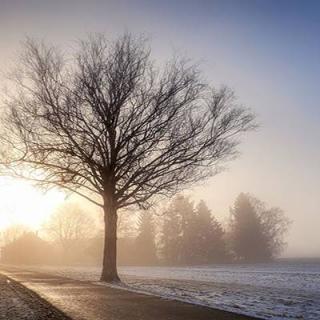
{"points": [[268, 52]]}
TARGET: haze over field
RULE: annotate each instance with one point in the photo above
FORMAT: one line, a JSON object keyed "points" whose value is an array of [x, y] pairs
{"points": [[268, 52]]}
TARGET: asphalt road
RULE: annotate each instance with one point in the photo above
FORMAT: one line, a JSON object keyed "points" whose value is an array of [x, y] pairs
{"points": [[81, 300]]}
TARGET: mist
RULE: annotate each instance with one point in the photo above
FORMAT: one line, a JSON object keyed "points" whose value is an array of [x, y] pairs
{"points": [[279, 163], [159, 149]]}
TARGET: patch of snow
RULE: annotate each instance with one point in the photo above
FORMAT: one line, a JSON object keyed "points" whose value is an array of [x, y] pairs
{"points": [[270, 291]]}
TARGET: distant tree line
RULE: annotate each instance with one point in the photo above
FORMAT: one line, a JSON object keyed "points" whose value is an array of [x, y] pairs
{"points": [[184, 233], [189, 234], [28, 248]]}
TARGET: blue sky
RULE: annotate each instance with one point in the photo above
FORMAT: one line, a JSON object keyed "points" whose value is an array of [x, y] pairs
{"points": [[267, 51]]}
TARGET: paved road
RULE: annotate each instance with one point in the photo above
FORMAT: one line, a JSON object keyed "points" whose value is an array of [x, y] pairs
{"points": [[90, 301]]}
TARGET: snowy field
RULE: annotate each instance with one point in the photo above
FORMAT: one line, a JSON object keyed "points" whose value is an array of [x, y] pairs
{"points": [[268, 291]]}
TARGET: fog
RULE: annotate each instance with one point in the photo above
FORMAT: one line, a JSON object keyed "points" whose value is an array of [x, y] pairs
{"points": [[269, 57]]}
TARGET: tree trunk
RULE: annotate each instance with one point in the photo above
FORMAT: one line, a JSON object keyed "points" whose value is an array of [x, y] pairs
{"points": [[109, 269]]}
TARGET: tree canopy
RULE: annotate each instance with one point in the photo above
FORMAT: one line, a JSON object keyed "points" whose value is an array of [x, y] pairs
{"points": [[109, 118]]}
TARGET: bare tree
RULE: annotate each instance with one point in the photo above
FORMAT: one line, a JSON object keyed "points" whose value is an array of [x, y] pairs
{"points": [[13, 232], [110, 125], [69, 224]]}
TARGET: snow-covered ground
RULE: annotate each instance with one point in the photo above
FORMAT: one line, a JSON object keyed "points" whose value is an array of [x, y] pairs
{"points": [[269, 291]]}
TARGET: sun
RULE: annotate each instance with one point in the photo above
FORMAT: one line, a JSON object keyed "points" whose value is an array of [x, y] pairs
{"points": [[21, 203]]}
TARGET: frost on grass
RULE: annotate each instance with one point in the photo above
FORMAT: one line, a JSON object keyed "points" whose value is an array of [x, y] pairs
{"points": [[271, 291]]}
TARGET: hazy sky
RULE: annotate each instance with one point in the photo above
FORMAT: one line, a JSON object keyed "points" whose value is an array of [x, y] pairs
{"points": [[267, 51]]}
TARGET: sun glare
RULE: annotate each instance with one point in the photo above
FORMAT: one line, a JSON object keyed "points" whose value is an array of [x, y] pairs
{"points": [[21, 203]]}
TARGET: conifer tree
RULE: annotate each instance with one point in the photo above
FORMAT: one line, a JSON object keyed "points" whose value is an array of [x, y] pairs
{"points": [[172, 232], [188, 230], [145, 241], [256, 232], [247, 237], [209, 237], [191, 235]]}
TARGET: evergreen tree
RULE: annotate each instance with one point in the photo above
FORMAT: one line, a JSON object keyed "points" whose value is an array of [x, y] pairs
{"points": [[209, 238], [178, 231], [188, 220], [256, 233], [145, 241], [191, 236], [172, 232], [247, 237]]}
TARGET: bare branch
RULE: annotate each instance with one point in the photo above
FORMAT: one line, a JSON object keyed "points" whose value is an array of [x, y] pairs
{"points": [[108, 122]]}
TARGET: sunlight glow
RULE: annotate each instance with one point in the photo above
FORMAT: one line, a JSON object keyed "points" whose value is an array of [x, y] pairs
{"points": [[21, 203]]}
